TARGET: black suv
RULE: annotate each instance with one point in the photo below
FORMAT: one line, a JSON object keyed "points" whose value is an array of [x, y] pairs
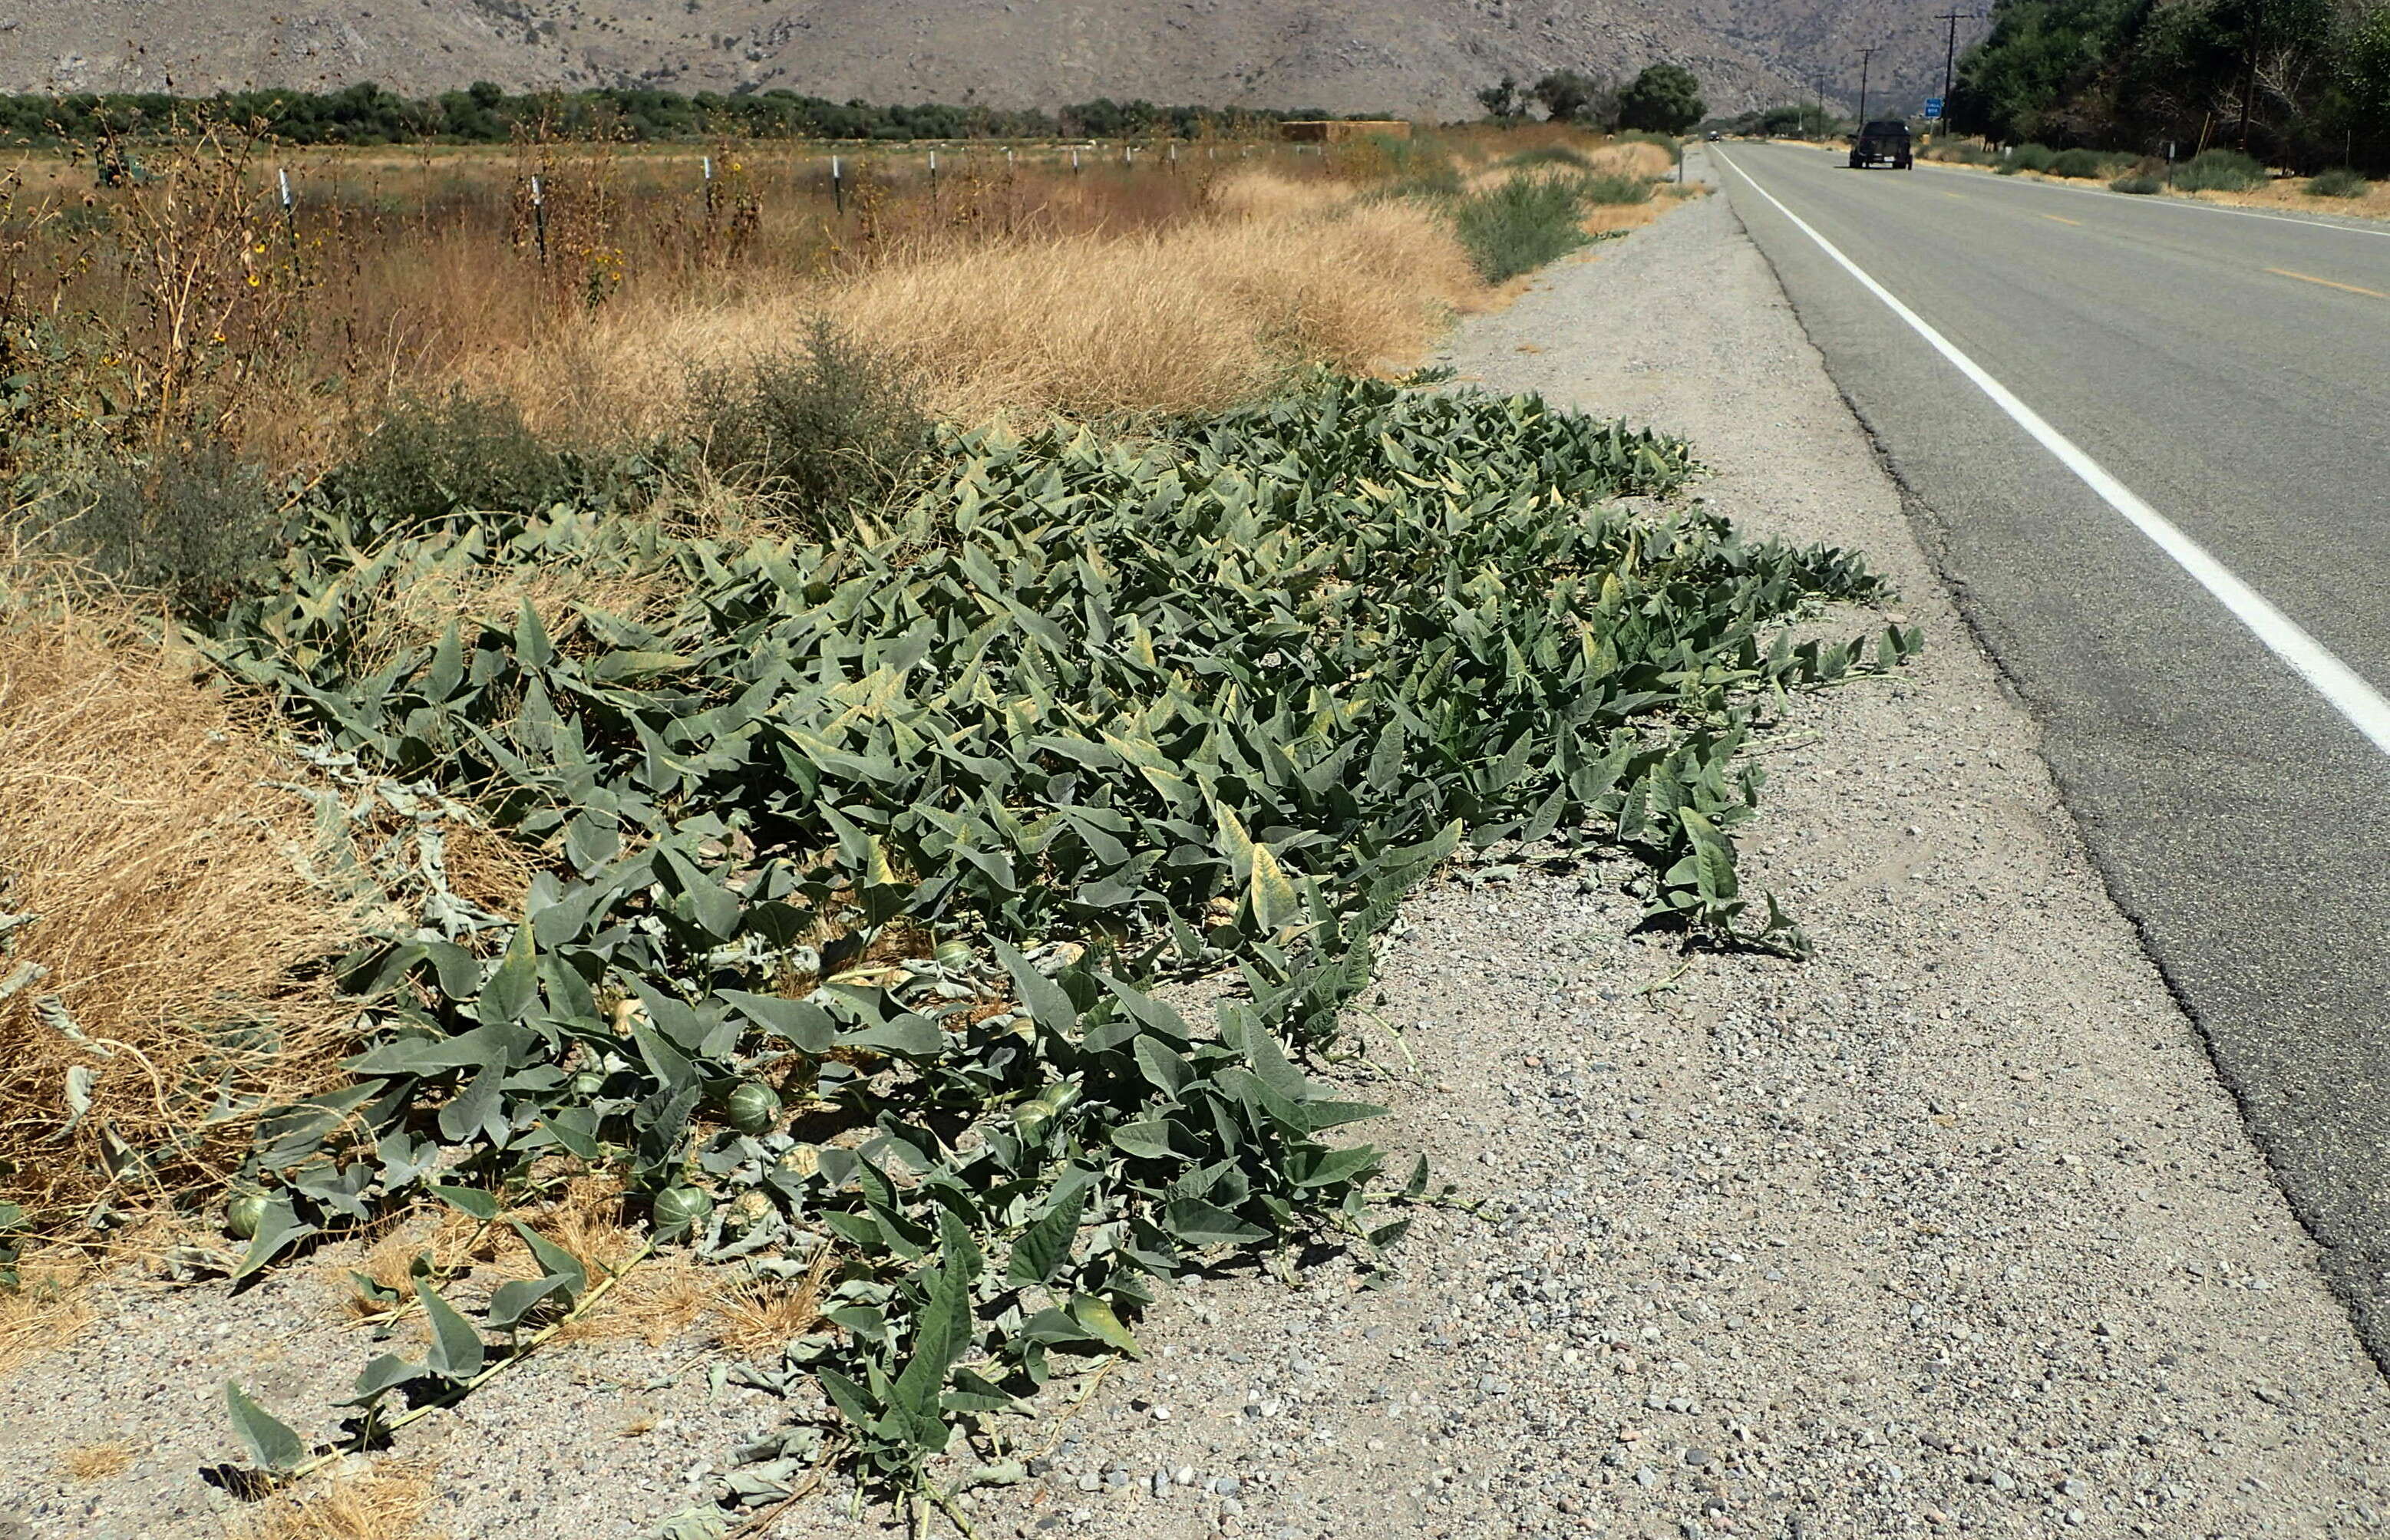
{"points": [[1881, 144]]}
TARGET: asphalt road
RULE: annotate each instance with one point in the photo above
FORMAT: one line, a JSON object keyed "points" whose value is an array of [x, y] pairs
{"points": [[2234, 372]]}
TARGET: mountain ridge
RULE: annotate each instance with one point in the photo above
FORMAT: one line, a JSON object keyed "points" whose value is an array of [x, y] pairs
{"points": [[1425, 57]]}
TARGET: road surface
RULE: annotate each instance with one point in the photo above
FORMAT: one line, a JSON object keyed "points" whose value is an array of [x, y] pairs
{"points": [[2151, 451]]}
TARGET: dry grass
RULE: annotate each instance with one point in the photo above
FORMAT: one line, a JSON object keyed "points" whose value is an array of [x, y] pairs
{"points": [[416, 604], [51, 1307], [137, 820], [97, 1462], [663, 1297], [1191, 317], [660, 1298], [384, 1501], [1602, 219], [762, 1315], [2292, 194]]}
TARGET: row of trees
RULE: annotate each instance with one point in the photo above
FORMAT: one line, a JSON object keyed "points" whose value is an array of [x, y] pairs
{"points": [[2300, 82], [1664, 98], [367, 114]]}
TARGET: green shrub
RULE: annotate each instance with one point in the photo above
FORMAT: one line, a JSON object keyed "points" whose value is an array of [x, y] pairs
{"points": [[2220, 171], [2338, 183], [2028, 157], [2082, 164], [431, 458], [2137, 183], [1520, 226], [196, 525], [1615, 188], [821, 430]]}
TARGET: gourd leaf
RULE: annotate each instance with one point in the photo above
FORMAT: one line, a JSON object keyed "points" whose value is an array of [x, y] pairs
{"points": [[271, 1443], [456, 1349]]}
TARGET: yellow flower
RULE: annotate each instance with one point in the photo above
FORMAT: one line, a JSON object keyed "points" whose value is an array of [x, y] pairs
{"points": [[254, 281]]}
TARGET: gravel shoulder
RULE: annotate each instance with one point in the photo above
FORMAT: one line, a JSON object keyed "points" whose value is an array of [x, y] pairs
{"points": [[1950, 1229]]}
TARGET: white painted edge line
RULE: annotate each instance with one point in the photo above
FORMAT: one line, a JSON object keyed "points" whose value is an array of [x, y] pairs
{"points": [[2339, 684]]}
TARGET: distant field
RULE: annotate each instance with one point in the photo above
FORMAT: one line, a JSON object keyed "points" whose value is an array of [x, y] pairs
{"points": [[583, 281]]}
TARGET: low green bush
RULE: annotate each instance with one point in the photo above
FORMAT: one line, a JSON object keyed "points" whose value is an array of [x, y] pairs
{"points": [[2338, 183], [1520, 226], [193, 525], [2028, 157], [429, 459], [2085, 165], [1615, 188], [2220, 171], [2137, 183], [819, 430]]}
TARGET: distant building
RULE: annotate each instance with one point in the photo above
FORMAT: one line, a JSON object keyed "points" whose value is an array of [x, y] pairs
{"points": [[1330, 130]]}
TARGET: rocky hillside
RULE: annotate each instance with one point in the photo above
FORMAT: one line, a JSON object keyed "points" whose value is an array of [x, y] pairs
{"points": [[1401, 55]]}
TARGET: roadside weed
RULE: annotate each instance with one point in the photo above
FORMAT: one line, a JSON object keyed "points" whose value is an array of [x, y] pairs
{"points": [[860, 859]]}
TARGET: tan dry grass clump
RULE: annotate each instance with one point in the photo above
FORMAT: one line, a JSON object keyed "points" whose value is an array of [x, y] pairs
{"points": [[1257, 193], [139, 821], [2292, 194], [661, 1295], [763, 1315], [1196, 316], [1193, 320], [386, 1501], [96, 1462], [1632, 157], [52, 1304]]}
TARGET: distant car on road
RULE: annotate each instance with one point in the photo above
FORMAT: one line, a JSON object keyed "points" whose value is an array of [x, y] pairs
{"points": [[1881, 144], [1712, 135]]}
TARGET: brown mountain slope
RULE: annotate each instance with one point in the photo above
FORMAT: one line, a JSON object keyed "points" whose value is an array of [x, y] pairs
{"points": [[1402, 55]]}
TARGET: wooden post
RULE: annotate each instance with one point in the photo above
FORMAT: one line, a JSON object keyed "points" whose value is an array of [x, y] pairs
{"points": [[539, 218]]}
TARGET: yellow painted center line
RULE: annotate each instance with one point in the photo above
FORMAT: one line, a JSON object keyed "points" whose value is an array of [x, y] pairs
{"points": [[2061, 219], [2309, 278], [1961, 197]]}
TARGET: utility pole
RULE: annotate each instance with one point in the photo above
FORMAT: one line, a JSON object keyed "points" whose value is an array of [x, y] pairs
{"points": [[1950, 54], [2249, 88], [1821, 105], [1865, 56]]}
